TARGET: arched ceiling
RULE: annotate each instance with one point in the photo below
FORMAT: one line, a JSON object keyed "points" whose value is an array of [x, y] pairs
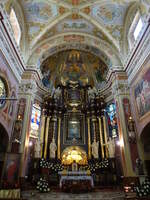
{"points": [[95, 26]]}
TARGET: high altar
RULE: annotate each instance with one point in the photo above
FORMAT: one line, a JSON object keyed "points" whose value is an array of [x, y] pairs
{"points": [[74, 122]]}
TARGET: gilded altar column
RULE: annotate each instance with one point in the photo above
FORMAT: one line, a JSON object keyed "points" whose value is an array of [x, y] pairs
{"points": [[94, 129], [42, 133], [120, 91], [89, 137], [101, 136], [46, 137], [58, 142], [105, 135], [54, 121]]}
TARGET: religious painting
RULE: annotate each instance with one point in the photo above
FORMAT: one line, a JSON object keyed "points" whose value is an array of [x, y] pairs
{"points": [[73, 130], [11, 170], [142, 94]]}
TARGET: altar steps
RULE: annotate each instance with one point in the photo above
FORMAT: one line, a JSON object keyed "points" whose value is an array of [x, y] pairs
{"points": [[34, 195]]}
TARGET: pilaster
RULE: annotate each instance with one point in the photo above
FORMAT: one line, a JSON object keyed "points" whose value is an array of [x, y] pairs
{"points": [[120, 91]]}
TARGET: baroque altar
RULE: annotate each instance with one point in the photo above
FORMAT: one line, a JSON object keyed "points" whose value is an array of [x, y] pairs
{"points": [[74, 123]]}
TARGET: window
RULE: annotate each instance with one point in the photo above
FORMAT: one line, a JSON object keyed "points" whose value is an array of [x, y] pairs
{"points": [[3, 93], [138, 28], [35, 120], [15, 26], [112, 120], [135, 29]]}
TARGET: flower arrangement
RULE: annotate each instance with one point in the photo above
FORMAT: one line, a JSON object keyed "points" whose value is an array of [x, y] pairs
{"points": [[54, 166], [144, 189], [97, 165], [42, 185]]}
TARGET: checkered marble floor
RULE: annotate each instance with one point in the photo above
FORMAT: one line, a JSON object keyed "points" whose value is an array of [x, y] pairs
{"points": [[53, 195]]}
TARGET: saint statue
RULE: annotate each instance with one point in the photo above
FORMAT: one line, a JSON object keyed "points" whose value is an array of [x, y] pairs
{"points": [[111, 147], [53, 148], [92, 93], [57, 93], [95, 146], [37, 149]]}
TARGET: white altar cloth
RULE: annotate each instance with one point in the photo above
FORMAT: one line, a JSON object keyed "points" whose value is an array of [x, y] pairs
{"points": [[75, 176]]}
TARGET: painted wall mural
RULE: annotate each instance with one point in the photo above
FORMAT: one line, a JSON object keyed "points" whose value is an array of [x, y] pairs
{"points": [[142, 94], [73, 65]]}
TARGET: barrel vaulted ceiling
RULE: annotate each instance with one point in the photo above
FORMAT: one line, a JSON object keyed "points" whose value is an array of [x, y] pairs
{"points": [[96, 26]]}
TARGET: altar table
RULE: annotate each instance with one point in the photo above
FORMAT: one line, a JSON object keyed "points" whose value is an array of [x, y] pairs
{"points": [[75, 176]]}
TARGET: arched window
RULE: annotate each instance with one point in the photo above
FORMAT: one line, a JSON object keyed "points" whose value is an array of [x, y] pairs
{"points": [[3, 93], [15, 26], [135, 29]]}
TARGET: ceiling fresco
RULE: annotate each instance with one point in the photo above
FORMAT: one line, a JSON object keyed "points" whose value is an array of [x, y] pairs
{"points": [[77, 25], [75, 66], [54, 25], [38, 15], [111, 16]]}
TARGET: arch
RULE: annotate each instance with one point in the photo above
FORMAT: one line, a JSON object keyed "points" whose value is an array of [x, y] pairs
{"points": [[145, 140], [79, 41], [4, 140]]}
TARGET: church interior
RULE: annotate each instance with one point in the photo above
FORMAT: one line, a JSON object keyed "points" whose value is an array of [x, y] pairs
{"points": [[75, 99]]}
